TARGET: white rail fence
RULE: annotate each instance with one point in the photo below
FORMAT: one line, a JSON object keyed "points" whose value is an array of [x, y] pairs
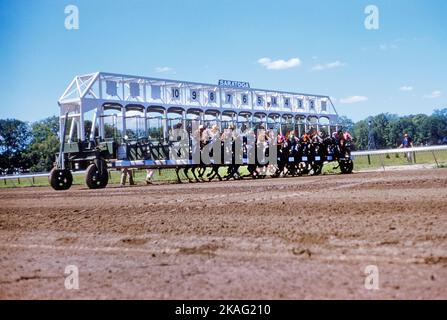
{"points": [[367, 153], [401, 150], [31, 177], [410, 153]]}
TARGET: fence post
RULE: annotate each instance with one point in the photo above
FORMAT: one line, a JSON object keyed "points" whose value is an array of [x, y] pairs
{"points": [[382, 162], [436, 160]]}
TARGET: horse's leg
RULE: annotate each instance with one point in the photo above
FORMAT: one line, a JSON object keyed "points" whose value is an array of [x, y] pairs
{"points": [[201, 171], [185, 172], [177, 169], [204, 168], [212, 174], [193, 170], [216, 170]]}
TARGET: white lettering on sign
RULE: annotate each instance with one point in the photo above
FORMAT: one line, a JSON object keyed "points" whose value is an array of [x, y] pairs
{"points": [[233, 84]]}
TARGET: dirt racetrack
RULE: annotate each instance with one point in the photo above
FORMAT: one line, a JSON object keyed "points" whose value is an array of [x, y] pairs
{"points": [[293, 238]]}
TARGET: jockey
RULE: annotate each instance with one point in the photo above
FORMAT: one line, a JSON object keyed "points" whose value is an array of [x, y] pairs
{"points": [[280, 138], [305, 138], [347, 136]]}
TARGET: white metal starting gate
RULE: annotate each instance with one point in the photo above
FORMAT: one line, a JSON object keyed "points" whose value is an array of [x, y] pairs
{"points": [[102, 91]]}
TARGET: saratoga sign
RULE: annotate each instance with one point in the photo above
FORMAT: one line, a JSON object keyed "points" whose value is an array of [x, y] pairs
{"points": [[234, 84]]}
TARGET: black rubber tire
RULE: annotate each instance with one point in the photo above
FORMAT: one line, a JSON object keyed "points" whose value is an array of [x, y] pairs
{"points": [[346, 167], [60, 179], [94, 179]]}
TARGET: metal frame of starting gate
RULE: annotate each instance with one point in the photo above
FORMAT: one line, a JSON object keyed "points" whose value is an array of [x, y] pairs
{"points": [[101, 91], [138, 98], [134, 103]]}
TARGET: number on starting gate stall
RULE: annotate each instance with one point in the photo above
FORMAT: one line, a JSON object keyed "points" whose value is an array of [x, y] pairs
{"points": [[312, 104], [259, 101], [228, 98], [194, 95], [300, 104], [211, 96], [286, 102], [244, 99], [274, 101], [175, 93]]}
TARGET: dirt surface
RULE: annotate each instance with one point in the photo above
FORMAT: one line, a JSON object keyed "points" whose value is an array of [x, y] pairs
{"points": [[293, 238]]}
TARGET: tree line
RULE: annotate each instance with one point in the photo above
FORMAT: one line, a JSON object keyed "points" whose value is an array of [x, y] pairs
{"points": [[385, 131], [33, 146]]}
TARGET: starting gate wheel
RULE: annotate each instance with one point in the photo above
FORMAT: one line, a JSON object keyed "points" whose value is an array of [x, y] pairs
{"points": [[94, 178], [346, 167], [60, 179]]}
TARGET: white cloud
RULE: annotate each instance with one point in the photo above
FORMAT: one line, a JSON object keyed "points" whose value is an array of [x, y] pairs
{"points": [[330, 65], [406, 88], [435, 94], [353, 99], [164, 70], [280, 64]]}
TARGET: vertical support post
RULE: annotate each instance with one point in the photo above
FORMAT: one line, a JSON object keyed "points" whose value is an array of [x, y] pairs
{"points": [[78, 126], [61, 127], [72, 128], [61, 159], [434, 157], [146, 134], [165, 124], [382, 162], [81, 124], [93, 129], [100, 86], [102, 133], [184, 119], [123, 121]]}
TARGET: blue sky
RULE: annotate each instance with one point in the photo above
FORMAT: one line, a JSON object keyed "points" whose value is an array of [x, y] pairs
{"points": [[324, 47]]}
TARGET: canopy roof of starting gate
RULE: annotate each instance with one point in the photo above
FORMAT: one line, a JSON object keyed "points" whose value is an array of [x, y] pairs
{"points": [[87, 92]]}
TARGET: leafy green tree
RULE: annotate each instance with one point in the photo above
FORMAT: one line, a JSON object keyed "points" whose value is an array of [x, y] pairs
{"points": [[439, 126], [360, 134], [44, 144], [14, 138]]}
